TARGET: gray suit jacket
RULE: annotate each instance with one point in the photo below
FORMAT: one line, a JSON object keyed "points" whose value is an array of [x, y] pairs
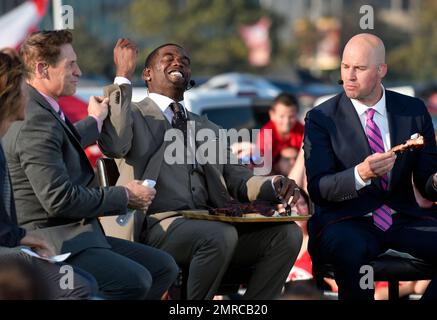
{"points": [[133, 133], [55, 190]]}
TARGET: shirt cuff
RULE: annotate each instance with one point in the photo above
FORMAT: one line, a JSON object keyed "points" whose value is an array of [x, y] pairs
{"points": [[359, 183], [122, 80], [273, 186], [99, 123]]}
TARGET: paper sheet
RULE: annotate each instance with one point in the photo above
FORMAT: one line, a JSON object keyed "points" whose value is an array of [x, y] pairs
{"points": [[58, 258]]}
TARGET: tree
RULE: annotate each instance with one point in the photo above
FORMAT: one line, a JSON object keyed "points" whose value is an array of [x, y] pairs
{"points": [[208, 29], [416, 60], [94, 56]]}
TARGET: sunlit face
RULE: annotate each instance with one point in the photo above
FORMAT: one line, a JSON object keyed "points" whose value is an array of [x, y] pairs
{"points": [[169, 70], [64, 76], [360, 74], [284, 117]]}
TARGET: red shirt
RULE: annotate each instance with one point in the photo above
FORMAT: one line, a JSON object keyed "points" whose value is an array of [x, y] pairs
{"points": [[294, 139]]}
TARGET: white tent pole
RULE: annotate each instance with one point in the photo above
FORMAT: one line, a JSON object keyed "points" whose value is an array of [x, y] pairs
{"points": [[57, 15]]}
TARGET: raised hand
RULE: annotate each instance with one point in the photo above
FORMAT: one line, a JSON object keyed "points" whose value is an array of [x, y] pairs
{"points": [[125, 56]]}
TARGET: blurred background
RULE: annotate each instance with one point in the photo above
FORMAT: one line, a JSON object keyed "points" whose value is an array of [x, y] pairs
{"points": [[244, 52]]}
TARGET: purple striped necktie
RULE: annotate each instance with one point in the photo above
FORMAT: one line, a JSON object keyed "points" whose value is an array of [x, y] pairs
{"points": [[61, 114], [382, 215]]}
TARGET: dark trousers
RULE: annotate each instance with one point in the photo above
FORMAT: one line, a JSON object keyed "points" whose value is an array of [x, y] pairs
{"points": [[129, 270], [350, 244], [50, 276], [210, 248]]}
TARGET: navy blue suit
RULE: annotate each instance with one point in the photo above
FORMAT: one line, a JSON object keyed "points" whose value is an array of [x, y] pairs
{"points": [[10, 233], [340, 232]]}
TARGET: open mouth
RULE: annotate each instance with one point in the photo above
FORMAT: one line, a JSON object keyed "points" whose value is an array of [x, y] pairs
{"points": [[176, 74]]}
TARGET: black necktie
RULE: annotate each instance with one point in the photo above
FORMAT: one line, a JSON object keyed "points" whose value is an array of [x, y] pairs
{"points": [[179, 120]]}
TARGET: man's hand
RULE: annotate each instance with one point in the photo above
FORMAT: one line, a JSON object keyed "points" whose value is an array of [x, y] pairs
{"points": [[125, 56], [376, 165], [98, 107], [286, 189], [41, 246], [140, 197]]}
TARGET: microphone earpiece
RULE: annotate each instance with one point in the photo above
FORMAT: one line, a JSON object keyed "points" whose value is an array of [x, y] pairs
{"points": [[340, 82], [190, 84]]}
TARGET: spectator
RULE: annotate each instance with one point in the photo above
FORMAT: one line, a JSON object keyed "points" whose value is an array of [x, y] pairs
{"points": [[286, 129], [21, 281], [430, 98], [298, 173], [286, 161]]}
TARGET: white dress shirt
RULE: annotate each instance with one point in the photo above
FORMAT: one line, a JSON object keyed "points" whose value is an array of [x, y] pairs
{"points": [[381, 120]]}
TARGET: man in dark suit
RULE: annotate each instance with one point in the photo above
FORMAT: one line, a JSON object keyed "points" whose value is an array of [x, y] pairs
{"points": [[55, 188], [363, 193], [134, 133]]}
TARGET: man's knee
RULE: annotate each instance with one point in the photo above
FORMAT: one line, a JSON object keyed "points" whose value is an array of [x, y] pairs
{"points": [[170, 268], [85, 286], [137, 285], [223, 237], [347, 255], [288, 236]]}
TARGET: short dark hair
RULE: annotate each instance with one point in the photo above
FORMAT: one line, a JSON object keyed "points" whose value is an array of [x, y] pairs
{"points": [[153, 54], [44, 45], [22, 279], [286, 99]]}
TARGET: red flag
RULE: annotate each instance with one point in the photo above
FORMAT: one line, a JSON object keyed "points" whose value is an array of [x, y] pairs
{"points": [[16, 24], [257, 39]]}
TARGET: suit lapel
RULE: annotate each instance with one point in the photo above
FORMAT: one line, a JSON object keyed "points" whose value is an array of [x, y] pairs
{"points": [[157, 125], [154, 117], [399, 127], [68, 126], [352, 129], [218, 194], [396, 123]]}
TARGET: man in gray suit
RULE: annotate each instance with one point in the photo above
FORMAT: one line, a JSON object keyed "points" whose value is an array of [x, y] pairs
{"points": [[134, 133], [54, 185]]}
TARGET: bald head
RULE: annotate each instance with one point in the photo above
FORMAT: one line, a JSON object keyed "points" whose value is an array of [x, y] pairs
{"points": [[363, 68], [368, 44]]}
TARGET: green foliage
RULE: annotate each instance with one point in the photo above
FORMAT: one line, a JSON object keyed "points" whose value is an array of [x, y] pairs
{"points": [[417, 59], [208, 29], [94, 57]]}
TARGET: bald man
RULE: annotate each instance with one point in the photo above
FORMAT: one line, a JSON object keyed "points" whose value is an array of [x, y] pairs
{"points": [[362, 191]]}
